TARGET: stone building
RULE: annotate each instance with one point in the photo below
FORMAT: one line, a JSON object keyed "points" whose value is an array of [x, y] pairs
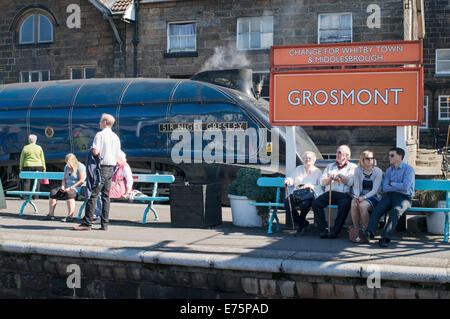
{"points": [[436, 55], [178, 38], [53, 40]]}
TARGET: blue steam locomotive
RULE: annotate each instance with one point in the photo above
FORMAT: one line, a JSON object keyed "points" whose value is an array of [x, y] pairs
{"points": [[65, 115]]}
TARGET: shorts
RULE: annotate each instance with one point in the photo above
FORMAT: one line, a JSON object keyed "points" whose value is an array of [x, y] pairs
{"points": [[56, 193]]}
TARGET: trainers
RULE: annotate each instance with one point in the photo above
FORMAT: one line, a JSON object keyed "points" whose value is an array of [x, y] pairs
{"points": [[67, 219], [81, 227], [324, 234], [364, 236], [49, 217], [384, 242], [104, 227], [332, 234]]}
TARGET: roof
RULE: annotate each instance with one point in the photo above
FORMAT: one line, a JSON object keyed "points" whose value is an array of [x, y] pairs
{"points": [[121, 5], [113, 6]]}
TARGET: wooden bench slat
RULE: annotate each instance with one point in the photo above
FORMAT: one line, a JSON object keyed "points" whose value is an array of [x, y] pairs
{"points": [[151, 198], [153, 178], [41, 175]]}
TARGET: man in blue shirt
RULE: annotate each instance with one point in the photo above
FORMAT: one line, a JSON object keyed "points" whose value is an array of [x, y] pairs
{"points": [[398, 188]]}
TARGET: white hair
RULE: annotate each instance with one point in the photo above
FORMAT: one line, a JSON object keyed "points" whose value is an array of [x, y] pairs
{"points": [[346, 149], [32, 138], [310, 154], [122, 156]]}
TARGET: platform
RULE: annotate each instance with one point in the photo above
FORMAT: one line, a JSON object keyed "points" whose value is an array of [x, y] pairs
{"points": [[414, 266]]}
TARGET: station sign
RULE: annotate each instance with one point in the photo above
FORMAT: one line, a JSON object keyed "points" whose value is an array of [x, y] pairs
{"points": [[337, 54], [347, 97], [327, 96]]}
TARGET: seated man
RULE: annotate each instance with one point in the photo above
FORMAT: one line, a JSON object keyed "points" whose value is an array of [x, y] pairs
{"points": [[340, 176], [398, 188]]}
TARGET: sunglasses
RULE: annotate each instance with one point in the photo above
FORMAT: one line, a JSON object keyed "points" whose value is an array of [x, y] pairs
{"points": [[391, 155], [369, 158]]}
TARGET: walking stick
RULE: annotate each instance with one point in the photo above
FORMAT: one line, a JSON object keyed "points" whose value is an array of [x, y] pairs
{"points": [[329, 207], [290, 208]]}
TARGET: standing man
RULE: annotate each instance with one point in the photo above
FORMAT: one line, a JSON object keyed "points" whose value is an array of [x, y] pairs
{"points": [[340, 175], [106, 145], [398, 188]]}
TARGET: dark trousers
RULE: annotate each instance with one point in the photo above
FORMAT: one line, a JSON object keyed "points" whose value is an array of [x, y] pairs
{"points": [[342, 200], [26, 183], [398, 204], [101, 190], [304, 206]]}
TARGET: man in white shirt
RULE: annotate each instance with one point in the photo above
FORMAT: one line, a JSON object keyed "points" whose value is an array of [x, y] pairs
{"points": [[340, 175], [106, 145]]}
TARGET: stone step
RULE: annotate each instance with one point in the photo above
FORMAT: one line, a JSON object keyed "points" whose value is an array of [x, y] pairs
{"points": [[428, 170], [428, 163]]}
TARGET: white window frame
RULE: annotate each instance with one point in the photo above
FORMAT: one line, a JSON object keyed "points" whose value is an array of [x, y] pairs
{"points": [[36, 32], [248, 20], [447, 72], [22, 74], [447, 106], [425, 113], [334, 13], [83, 68], [169, 50]]}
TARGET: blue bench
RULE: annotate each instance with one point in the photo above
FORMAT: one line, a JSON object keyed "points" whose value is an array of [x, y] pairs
{"points": [[277, 182], [420, 184], [155, 179], [37, 176], [435, 185]]}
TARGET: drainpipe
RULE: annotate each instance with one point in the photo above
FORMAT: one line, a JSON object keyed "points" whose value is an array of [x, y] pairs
{"points": [[135, 38]]}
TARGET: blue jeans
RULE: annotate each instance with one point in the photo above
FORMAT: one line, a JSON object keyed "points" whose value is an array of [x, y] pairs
{"points": [[398, 204]]}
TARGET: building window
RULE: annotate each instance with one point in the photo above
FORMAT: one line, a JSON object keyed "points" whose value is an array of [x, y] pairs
{"points": [[261, 82], [425, 113], [181, 37], [255, 33], [36, 28], [84, 72], [444, 107], [34, 76], [335, 27], [443, 61]]}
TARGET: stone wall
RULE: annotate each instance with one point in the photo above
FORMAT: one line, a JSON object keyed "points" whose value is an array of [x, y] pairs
{"points": [[45, 276], [437, 37], [91, 44]]}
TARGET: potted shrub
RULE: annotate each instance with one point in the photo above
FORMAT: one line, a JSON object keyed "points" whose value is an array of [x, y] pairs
{"points": [[244, 190], [435, 220]]}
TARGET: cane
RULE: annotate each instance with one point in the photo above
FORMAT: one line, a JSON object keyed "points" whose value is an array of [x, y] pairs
{"points": [[329, 207], [290, 207]]}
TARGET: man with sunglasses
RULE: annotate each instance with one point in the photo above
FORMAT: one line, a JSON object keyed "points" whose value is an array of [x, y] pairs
{"points": [[398, 188], [340, 176]]}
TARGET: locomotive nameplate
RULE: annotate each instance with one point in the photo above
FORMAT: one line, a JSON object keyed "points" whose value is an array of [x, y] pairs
{"points": [[202, 126]]}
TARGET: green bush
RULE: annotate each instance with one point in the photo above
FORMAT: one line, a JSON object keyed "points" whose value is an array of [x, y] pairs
{"points": [[245, 185], [428, 198]]}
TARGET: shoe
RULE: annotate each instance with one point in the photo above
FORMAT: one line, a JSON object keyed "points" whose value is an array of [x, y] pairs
{"points": [[364, 236], [81, 227], [96, 220], [324, 234], [332, 234], [302, 228], [384, 242], [49, 217], [67, 219], [104, 227]]}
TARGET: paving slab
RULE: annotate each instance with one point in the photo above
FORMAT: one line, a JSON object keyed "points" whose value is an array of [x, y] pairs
{"points": [[225, 245]]}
